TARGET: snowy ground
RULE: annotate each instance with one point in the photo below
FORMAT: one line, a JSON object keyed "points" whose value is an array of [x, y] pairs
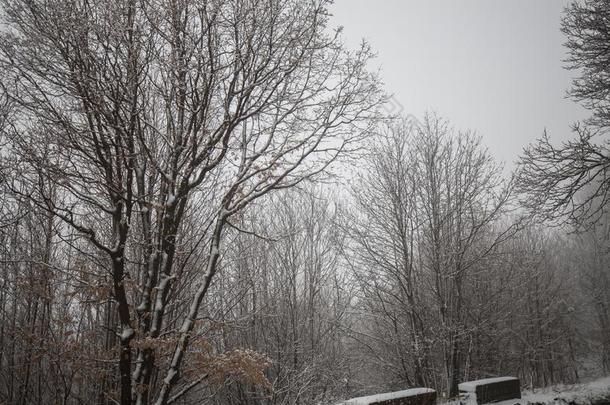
{"points": [[586, 393], [595, 392]]}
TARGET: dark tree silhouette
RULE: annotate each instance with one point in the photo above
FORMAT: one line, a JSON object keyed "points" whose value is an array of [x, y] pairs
{"points": [[571, 182]]}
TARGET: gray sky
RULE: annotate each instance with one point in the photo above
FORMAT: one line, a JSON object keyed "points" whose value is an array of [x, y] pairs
{"points": [[494, 66]]}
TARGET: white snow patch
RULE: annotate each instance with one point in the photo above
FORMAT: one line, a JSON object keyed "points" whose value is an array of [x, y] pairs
{"points": [[127, 333], [579, 393]]}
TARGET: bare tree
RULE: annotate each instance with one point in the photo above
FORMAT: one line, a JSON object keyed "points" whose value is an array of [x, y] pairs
{"points": [[590, 256], [572, 181], [429, 206], [141, 113], [288, 297], [569, 183], [385, 260], [539, 296], [585, 25]]}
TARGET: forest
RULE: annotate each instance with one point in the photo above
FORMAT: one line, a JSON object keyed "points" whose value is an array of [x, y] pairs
{"points": [[209, 202]]}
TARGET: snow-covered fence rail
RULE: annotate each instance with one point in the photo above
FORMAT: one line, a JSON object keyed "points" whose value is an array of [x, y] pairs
{"points": [[415, 396], [489, 390]]}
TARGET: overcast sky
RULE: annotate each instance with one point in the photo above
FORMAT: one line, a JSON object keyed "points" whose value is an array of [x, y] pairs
{"points": [[494, 66]]}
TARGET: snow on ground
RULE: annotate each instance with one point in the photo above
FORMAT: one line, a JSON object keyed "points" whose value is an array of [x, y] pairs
{"points": [[579, 393], [594, 392]]}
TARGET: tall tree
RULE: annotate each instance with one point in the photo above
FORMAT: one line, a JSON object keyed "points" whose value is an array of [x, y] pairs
{"points": [[139, 114], [428, 208]]}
